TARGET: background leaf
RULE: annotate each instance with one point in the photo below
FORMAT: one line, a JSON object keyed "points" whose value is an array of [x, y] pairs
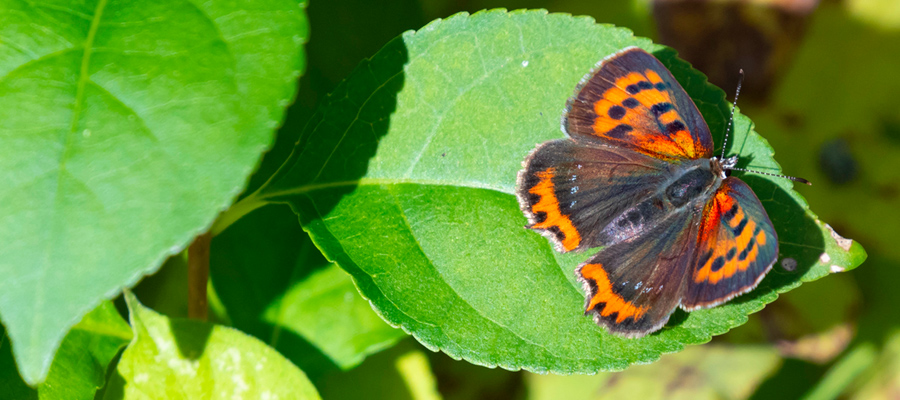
{"points": [[182, 359], [707, 372], [277, 286], [127, 126], [80, 365], [401, 373], [405, 178]]}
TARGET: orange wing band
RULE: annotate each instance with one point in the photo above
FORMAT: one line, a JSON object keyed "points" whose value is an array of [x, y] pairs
{"points": [[549, 205], [630, 111], [728, 256], [605, 294]]}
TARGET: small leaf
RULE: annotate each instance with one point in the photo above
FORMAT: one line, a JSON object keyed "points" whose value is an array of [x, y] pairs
{"points": [[79, 368], [127, 127], [184, 359], [277, 286], [406, 178]]}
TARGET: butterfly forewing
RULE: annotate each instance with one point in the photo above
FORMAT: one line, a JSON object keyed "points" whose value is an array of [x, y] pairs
{"points": [[737, 245], [632, 100], [571, 191]]}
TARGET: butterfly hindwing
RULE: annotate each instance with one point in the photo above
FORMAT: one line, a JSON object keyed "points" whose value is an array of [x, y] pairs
{"points": [[634, 286], [737, 246], [570, 191], [631, 100]]}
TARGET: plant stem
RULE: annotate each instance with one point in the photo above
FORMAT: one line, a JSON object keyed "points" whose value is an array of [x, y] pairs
{"points": [[236, 212], [198, 275]]}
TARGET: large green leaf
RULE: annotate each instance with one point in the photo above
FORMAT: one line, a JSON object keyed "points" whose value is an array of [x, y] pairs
{"points": [[405, 178], [184, 359], [127, 127], [79, 368]]}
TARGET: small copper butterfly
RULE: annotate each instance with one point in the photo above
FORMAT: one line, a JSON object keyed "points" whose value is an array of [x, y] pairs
{"points": [[636, 176]]}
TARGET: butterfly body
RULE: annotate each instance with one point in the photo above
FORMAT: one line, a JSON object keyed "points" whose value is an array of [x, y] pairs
{"points": [[636, 177]]}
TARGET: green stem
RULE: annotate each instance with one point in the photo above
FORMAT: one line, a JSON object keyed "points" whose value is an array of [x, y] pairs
{"points": [[236, 212]]}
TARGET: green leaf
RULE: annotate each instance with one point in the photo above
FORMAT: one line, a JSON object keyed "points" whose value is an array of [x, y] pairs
{"points": [[185, 359], [79, 368], [711, 372], [406, 178], [401, 373], [277, 286], [127, 127]]}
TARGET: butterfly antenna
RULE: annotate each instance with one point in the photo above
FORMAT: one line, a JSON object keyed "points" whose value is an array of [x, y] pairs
{"points": [[788, 177], [733, 106], [730, 166]]}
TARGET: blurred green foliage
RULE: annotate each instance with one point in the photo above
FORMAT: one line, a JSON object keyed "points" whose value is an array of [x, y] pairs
{"points": [[837, 85]]}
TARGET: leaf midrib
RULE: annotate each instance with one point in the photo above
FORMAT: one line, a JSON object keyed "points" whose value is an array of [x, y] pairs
{"points": [[309, 188], [56, 221], [306, 189]]}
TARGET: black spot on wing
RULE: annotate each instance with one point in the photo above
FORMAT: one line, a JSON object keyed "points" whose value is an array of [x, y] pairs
{"points": [[731, 254], [750, 245], [557, 232], [738, 230], [674, 127], [730, 213], [619, 131], [661, 108], [616, 112], [704, 258], [717, 264]]}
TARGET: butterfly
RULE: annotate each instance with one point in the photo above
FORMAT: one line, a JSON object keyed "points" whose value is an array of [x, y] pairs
{"points": [[637, 177]]}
